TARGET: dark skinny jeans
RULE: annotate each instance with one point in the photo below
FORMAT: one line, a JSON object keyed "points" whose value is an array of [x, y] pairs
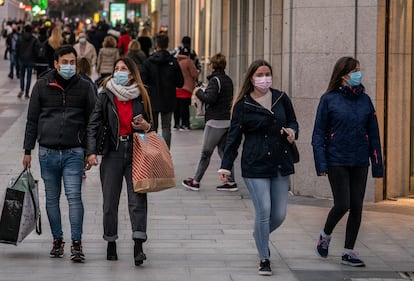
{"points": [[348, 186]]}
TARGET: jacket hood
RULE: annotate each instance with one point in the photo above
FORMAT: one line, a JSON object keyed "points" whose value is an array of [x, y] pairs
{"points": [[161, 57]]}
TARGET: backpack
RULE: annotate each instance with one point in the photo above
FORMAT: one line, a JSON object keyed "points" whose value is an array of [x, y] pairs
{"points": [[200, 107], [41, 50]]}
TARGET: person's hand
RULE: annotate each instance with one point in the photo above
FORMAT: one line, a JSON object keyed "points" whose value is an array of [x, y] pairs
{"points": [[27, 159], [141, 124], [290, 134], [92, 160], [223, 177]]}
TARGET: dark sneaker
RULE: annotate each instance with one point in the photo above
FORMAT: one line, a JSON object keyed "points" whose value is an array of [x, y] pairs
{"points": [[352, 260], [322, 247], [227, 187], [264, 268], [189, 183], [58, 248], [76, 252], [139, 255], [10, 76], [20, 94]]}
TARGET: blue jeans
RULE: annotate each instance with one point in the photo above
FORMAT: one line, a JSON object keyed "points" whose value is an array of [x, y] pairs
{"points": [[55, 165], [23, 67], [270, 197]]}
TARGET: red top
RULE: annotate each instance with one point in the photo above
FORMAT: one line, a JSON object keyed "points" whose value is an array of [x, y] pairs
{"points": [[124, 109], [123, 43]]}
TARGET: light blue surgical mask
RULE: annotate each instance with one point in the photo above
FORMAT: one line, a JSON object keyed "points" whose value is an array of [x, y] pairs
{"points": [[82, 40], [67, 71], [355, 78], [121, 78]]}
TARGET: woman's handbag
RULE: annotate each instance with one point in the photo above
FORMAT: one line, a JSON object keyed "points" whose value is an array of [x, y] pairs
{"points": [[295, 152], [20, 212], [152, 165]]}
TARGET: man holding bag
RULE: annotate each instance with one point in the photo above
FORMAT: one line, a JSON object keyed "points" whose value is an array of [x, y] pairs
{"points": [[59, 109]]}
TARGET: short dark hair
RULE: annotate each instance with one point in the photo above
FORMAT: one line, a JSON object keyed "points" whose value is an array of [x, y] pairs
{"points": [[64, 50], [186, 41], [161, 41]]}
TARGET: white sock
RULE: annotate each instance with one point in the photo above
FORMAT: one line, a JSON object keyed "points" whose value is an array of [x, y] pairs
{"points": [[348, 251], [325, 235]]}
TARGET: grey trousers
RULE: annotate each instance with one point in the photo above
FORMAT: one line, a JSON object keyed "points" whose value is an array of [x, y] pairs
{"points": [[212, 138], [115, 166]]}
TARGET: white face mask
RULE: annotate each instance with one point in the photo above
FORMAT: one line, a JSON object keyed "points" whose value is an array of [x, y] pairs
{"points": [[262, 83]]}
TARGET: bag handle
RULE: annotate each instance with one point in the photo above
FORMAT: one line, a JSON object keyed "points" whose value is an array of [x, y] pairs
{"points": [[36, 215]]}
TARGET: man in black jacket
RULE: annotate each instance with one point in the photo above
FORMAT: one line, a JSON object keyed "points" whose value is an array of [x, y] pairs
{"points": [[58, 113], [26, 52], [162, 74]]}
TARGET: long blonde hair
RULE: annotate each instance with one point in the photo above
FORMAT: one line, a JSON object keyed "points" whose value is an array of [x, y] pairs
{"points": [[56, 40]]}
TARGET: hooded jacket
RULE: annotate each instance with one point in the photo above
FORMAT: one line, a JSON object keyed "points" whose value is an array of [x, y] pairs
{"points": [[57, 117], [162, 75], [346, 131]]}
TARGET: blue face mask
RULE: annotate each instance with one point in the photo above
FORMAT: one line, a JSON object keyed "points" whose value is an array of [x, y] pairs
{"points": [[67, 71], [121, 78], [355, 79]]}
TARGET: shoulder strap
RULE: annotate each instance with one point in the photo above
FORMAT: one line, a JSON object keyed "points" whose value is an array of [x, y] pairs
{"points": [[218, 82]]}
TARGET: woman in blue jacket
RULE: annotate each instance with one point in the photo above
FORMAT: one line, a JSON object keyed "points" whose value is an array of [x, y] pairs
{"points": [[266, 119], [345, 137]]}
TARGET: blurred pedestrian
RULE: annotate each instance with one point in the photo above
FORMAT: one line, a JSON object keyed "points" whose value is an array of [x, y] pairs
{"points": [[265, 118], [135, 53], [107, 56], [345, 137], [85, 49], [162, 74], [190, 74], [26, 53]]}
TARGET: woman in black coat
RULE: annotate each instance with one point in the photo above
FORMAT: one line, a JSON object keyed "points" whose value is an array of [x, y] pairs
{"points": [[267, 121]]}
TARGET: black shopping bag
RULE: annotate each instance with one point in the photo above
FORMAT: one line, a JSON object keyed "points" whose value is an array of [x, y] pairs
{"points": [[20, 213]]}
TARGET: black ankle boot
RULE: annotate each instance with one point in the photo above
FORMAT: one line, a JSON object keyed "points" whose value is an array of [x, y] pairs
{"points": [[139, 255], [111, 254]]}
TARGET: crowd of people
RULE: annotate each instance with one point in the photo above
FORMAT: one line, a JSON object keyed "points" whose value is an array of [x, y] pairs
{"points": [[141, 82]]}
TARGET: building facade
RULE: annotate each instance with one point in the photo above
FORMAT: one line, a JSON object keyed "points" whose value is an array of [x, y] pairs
{"points": [[302, 40]]}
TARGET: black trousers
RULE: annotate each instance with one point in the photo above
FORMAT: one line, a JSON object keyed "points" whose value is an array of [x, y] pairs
{"points": [[115, 166], [348, 186]]}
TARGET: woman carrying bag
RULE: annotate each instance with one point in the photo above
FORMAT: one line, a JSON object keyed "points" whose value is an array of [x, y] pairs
{"points": [[123, 97]]}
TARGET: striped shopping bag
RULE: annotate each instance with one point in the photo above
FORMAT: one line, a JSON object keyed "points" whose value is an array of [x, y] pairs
{"points": [[152, 165]]}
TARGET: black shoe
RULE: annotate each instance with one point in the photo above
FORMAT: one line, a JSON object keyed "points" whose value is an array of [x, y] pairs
{"points": [[264, 268], [189, 183], [20, 94], [58, 248], [227, 187], [352, 260], [322, 248], [76, 252], [10, 76], [139, 255], [111, 254]]}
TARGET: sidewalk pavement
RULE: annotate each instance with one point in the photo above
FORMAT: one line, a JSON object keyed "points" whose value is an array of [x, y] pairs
{"points": [[205, 235]]}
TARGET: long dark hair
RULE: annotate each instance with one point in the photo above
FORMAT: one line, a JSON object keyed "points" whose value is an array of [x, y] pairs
{"points": [[247, 86], [132, 67], [342, 67]]}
